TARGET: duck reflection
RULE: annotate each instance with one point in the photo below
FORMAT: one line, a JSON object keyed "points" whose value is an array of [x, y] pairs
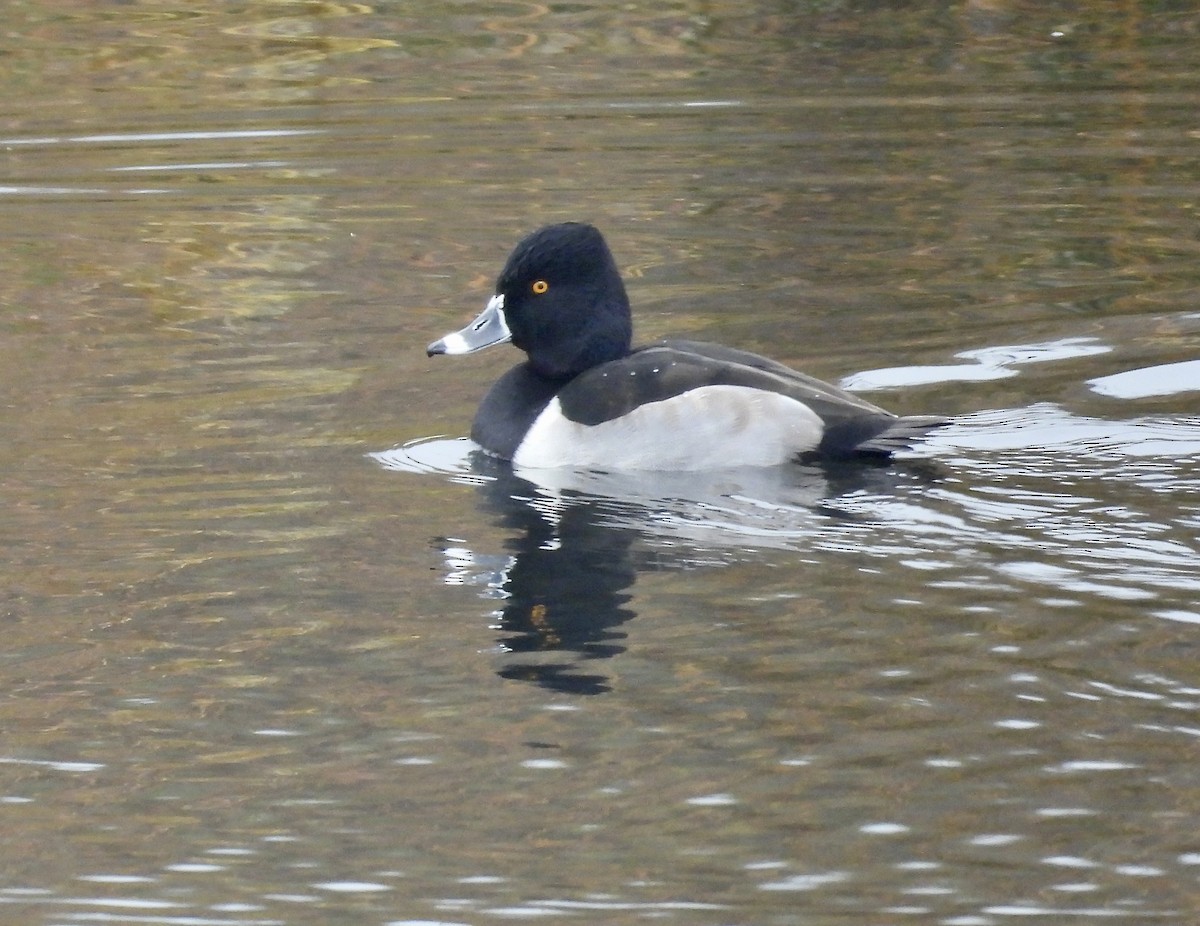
{"points": [[578, 540], [565, 585]]}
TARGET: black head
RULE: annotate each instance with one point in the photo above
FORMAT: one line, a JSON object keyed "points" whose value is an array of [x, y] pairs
{"points": [[564, 301]]}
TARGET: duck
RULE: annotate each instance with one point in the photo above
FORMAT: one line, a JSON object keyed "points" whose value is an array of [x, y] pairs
{"points": [[584, 397]]}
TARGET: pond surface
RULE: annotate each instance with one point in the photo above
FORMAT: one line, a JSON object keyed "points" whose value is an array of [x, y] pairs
{"points": [[280, 648]]}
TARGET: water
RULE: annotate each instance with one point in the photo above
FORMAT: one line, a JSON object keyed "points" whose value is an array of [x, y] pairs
{"points": [[282, 649]]}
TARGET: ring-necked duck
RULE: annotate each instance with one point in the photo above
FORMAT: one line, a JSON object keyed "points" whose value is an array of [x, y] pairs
{"points": [[585, 398]]}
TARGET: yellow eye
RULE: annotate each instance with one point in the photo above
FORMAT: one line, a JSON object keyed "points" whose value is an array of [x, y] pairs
{"points": [[540, 286]]}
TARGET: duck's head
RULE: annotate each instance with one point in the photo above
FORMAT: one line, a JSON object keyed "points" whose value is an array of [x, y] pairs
{"points": [[559, 298]]}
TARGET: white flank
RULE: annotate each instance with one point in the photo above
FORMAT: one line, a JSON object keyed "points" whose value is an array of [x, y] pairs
{"points": [[711, 427]]}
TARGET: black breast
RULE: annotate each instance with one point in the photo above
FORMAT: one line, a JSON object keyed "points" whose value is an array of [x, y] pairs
{"points": [[510, 408]]}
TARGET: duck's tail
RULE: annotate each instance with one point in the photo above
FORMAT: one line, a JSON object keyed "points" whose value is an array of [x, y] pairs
{"points": [[901, 434]]}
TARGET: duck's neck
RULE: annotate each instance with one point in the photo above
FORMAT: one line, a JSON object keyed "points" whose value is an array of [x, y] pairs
{"points": [[607, 336]]}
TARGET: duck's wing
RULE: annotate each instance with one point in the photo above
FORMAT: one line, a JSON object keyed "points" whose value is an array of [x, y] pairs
{"points": [[668, 369], [798, 385]]}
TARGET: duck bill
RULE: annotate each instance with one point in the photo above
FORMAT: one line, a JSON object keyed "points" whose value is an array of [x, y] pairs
{"points": [[489, 328]]}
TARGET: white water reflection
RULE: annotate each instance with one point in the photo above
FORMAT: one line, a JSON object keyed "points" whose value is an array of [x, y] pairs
{"points": [[1164, 379], [988, 363]]}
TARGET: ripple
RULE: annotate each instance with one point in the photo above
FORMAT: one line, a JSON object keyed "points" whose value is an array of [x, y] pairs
{"points": [[806, 882], [713, 800], [432, 456], [54, 765], [1044, 426], [1092, 765], [884, 829]]}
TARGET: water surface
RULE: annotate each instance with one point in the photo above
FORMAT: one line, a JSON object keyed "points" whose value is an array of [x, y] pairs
{"points": [[282, 649]]}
